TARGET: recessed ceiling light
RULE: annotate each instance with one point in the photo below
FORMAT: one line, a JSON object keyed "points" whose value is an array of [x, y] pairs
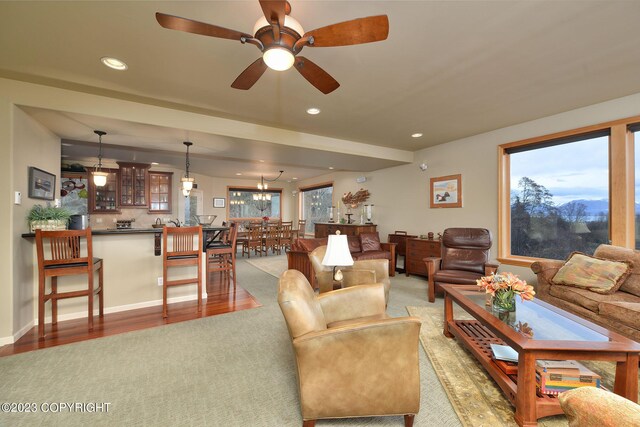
{"points": [[294, 178], [416, 135], [331, 167], [261, 161], [238, 173], [313, 111], [114, 63], [155, 163]]}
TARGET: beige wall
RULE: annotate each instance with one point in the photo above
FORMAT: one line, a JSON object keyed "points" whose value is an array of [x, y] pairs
{"points": [[6, 216], [33, 145]]}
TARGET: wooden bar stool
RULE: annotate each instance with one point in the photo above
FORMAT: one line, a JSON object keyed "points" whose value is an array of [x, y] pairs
{"points": [[181, 246], [61, 253], [222, 258]]}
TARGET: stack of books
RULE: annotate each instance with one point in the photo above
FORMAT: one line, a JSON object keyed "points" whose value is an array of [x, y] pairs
{"points": [[556, 376]]}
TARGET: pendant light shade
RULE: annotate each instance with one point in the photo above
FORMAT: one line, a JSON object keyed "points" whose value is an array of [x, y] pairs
{"points": [[99, 176], [186, 180]]}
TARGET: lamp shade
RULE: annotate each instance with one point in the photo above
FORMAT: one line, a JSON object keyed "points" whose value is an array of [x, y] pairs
{"points": [[337, 251], [100, 178]]}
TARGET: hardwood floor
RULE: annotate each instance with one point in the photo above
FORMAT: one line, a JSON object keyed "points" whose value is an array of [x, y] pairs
{"points": [[221, 299]]}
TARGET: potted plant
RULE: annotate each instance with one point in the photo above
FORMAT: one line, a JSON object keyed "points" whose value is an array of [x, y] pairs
{"points": [[48, 218]]}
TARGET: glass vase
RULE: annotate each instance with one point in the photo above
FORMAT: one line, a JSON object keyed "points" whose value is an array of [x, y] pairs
{"points": [[504, 301]]}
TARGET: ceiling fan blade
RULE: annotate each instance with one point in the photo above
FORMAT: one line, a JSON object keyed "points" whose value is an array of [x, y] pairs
{"points": [[190, 26], [316, 75], [250, 75], [357, 31], [274, 11]]}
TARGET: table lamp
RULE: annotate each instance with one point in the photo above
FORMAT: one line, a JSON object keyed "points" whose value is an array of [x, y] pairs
{"points": [[337, 254]]}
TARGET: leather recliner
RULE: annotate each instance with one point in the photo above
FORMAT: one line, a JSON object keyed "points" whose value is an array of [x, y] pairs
{"points": [[377, 269], [352, 359], [465, 259]]}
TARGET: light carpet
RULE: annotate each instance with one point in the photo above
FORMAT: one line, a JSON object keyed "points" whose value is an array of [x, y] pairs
{"points": [[234, 369], [273, 265]]}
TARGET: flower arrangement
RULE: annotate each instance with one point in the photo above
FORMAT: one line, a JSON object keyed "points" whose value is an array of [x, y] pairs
{"points": [[503, 288]]}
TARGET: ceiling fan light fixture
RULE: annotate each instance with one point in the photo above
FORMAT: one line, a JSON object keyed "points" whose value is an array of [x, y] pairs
{"points": [[278, 58]]}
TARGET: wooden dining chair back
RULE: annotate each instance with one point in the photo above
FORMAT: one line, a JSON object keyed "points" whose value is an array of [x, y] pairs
{"points": [[181, 247], [65, 253], [299, 233], [253, 240], [271, 239], [222, 258], [285, 236]]}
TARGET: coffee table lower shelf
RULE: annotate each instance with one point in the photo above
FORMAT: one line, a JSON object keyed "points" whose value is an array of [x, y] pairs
{"points": [[478, 339]]}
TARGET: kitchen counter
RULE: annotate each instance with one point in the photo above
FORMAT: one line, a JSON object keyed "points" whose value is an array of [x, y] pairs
{"points": [[209, 235]]}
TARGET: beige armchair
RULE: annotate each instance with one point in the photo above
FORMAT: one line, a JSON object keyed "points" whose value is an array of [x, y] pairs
{"points": [[363, 272], [353, 360]]}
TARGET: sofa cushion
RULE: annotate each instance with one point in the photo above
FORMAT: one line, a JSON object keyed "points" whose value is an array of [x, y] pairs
{"points": [[371, 255], [598, 275], [458, 277], [354, 244], [370, 242], [587, 299], [617, 253], [627, 313]]}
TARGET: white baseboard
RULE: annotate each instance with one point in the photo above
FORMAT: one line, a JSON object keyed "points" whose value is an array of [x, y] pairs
{"points": [[107, 310]]}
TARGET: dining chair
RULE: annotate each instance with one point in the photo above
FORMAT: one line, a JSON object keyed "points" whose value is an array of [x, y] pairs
{"points": [[65, 253], [222, 258], [253, 240], [181, 247], [271, 239]]}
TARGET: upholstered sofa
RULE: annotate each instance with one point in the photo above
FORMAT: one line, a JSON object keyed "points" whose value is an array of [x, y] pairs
{"points": [[618, 311], [362, 247], [352, 359]]}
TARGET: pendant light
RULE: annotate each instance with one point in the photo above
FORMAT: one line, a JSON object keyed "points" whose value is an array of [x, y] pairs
{"points": [[99, 176], [187, 182], [262, 197]]}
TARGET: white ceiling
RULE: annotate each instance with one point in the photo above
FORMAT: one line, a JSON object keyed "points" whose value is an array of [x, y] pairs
{"points": [[449, 69]]}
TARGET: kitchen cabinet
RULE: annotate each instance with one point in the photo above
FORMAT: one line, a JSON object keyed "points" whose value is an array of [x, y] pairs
{"points": [[323, 229], [160, 191], [104, 199], [417, 249], [133, 184]]}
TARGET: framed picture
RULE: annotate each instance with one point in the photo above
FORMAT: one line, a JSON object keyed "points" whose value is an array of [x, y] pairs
{"points": [[42, 185], [446, 191], [218, 202]]}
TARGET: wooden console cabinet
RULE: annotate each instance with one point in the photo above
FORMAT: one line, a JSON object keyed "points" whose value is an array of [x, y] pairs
{"points": [[417, 249], [323, 229]]}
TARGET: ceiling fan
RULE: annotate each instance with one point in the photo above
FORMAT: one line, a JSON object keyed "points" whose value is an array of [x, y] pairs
{"points": [[280, 38]]}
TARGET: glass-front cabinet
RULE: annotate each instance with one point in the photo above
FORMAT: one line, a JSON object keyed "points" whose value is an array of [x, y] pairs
{"points": [[133, 184], [160, 191], [104, 199]]}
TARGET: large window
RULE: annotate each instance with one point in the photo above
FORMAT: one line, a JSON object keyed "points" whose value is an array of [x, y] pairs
{"points": [[245, 203], [315, 205], [559, 197], [570, 191]]}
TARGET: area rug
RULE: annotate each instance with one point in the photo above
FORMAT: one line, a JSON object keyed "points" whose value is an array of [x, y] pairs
{"points": [[274, 265], [475, 397]]}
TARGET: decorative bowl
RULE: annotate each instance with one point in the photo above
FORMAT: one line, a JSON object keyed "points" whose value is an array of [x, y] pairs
{"points": [[205, 219]]}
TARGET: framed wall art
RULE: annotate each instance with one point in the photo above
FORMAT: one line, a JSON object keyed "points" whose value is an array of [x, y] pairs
{"points": [[42, 184], [446, 191], [218, 202]]}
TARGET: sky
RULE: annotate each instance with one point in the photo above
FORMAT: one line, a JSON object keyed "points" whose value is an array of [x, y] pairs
{"points": [[574, 171]]}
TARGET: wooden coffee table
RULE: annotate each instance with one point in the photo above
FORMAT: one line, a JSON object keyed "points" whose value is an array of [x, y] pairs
{"points": [[536, 330]]}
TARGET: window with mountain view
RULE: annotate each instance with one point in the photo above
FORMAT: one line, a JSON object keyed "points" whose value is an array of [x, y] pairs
{"points": [[559, 196], [315, 205]]}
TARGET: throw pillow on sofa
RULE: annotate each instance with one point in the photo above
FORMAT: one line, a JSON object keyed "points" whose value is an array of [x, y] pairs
{"points": [[595, 274], [370, 242], [617, 253]]}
